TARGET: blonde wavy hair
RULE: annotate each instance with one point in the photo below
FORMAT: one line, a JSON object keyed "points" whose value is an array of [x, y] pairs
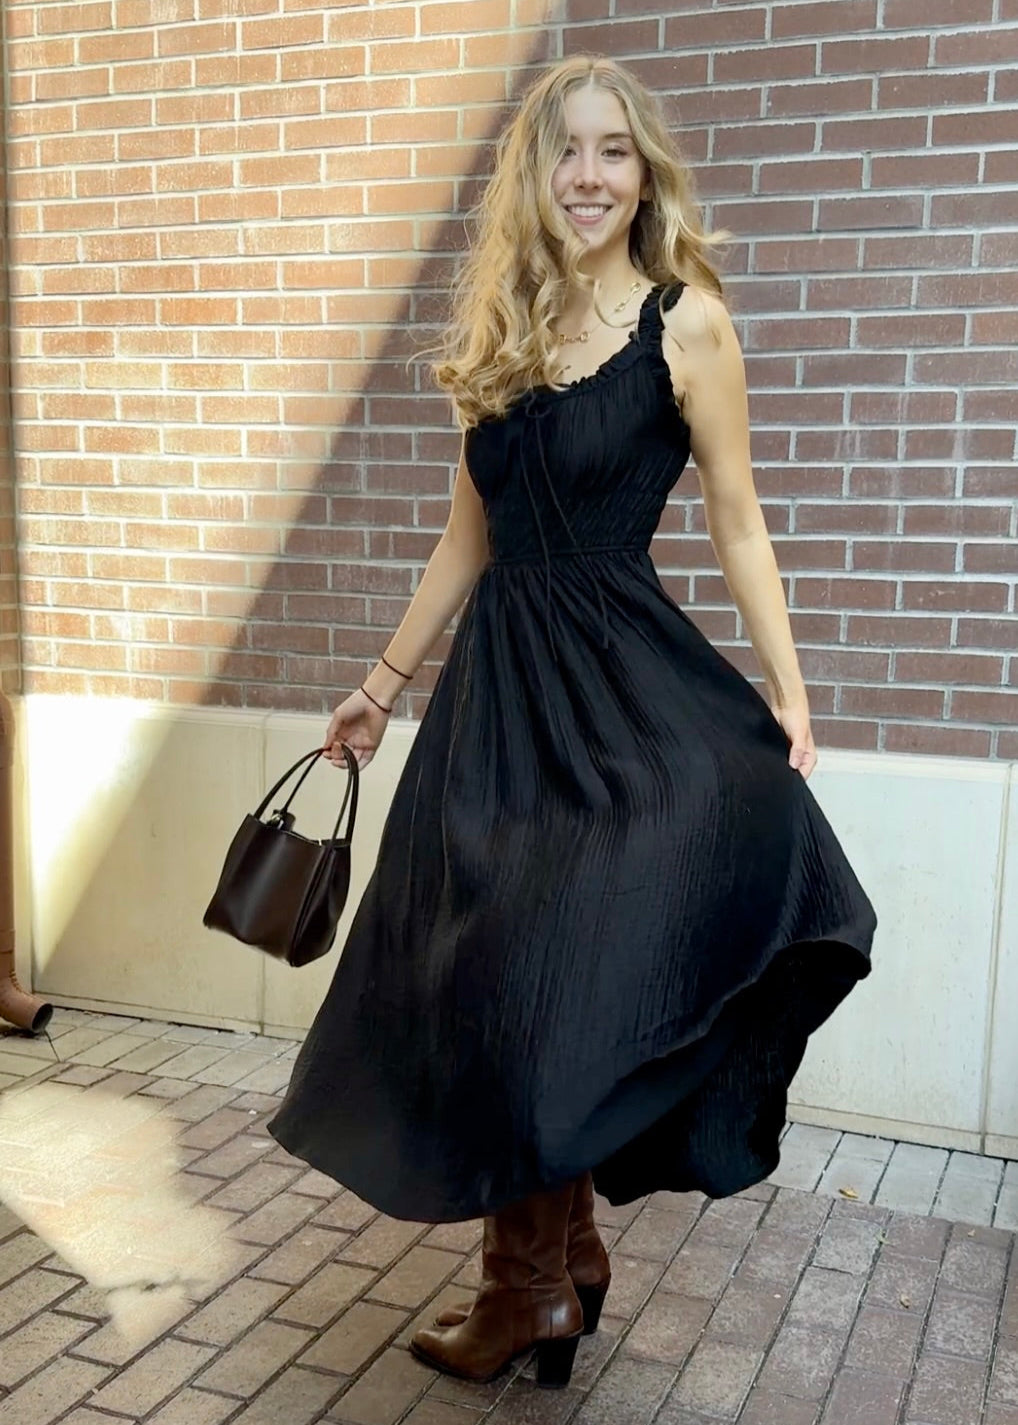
{"points": [[523, 258]]}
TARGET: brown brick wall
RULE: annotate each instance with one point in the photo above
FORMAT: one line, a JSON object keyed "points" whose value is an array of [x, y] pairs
{"points": [[10, 678], [231, 224]]}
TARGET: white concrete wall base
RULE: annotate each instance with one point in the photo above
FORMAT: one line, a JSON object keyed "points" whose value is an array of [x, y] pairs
{"points": [[125, 826], [895, 1129]]}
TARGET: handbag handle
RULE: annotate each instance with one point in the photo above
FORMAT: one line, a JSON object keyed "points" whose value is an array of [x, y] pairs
{"points": [[311, 758]]}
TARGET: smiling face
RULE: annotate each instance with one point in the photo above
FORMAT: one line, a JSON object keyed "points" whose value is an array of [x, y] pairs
{"points": [[599, 180]]}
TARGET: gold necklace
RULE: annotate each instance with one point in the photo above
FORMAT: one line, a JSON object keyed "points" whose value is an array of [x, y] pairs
{"points": [[583, 336]]}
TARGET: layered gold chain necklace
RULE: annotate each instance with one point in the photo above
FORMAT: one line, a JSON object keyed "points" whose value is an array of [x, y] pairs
{"points": [[584, 335]]}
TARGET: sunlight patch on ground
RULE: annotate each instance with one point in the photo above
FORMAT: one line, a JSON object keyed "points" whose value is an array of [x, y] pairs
{"points": [[96, 1177]]}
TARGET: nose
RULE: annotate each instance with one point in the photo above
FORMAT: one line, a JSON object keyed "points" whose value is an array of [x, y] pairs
{"points": [[589, 175]]}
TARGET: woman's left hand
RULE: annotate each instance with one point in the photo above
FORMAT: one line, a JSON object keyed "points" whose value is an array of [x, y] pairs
{"points": [[794, 720]]}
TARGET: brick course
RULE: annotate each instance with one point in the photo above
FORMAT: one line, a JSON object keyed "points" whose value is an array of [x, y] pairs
{"points": [[233, 223]]}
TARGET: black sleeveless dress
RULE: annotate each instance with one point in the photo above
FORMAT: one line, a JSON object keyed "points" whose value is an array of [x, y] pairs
{"points": [[606, 914]]}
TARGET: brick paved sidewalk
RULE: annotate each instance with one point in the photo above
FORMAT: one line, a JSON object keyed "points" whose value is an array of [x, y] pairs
{"points": [[781, 1306]]}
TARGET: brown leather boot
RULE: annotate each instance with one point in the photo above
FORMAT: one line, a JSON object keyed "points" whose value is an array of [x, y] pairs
{"points": [[526, 1298], [586, 1262]]}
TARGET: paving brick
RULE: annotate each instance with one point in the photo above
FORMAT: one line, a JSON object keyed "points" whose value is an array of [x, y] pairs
{"points": [[970, 1199], [946, 1390], [523, 1403], [190, 1407], [271, 1078], [199, 1103], [189, 1061], [799, 1168], [668, 1327], [629, 1390], [802, 1361], [701, 1268], [848, 1244], [312, 1183], [439, 1412], [232, 1158], [863, 1399], [217, 1129], [908, 1192], [961, 1325], [481, 1397], [84, 1416], [111, 1346], [358, 1335], [325, 1294], [157, 1375], [232, 1068], [827, 1299], [1000, 1414], [30, 1293], [655, 1234], [300, 1255], [732, 1220], [748, 1314], [276, 1219], [897, 1276], [349, 1213], [607, 1215], [1005, 1214], [166, 1089], [775, 1256], [1004, 1379], [763, 1407], [37, 1342], [797, 1212], [55, 1389], [385, 1391], [973, 1266], [261, 1106], [254, 1358], [382, 1241], [415, 1276], [233, 1311], [455, 1236], [17, 1254], [884, 1341], [104, 1053], [297, 1397], [80, 1075], [632, 1282], [253, 1187], [10, 1222], [717, 1377]]}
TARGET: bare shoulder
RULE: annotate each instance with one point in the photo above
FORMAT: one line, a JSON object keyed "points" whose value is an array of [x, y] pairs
{"points": [[699, 336]]}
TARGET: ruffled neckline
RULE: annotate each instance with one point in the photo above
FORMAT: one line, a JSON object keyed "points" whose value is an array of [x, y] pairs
{"points": [[612, 364]]}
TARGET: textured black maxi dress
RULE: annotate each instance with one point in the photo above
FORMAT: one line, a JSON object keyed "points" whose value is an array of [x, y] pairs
{"points": [[606, 913]]}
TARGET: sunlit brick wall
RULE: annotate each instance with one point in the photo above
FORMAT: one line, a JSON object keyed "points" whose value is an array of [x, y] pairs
{"points": [[9, 659], [233, 220]]}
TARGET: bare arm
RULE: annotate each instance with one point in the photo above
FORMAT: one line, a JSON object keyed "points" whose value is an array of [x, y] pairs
{"points": [[709, 379], [454, 567]]}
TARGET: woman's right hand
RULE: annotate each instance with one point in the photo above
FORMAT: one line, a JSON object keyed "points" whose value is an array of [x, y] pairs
{"points": [[358, 723]]}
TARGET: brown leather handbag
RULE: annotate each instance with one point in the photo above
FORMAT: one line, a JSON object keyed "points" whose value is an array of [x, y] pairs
{"points": [[282, 892]]}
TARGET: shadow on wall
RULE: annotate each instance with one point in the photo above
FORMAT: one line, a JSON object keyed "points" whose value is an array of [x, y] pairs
{"points": [[115, 834]]}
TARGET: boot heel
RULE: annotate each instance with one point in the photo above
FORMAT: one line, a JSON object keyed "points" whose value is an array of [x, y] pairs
{"points": [[555, 1362], [591, 1300]]}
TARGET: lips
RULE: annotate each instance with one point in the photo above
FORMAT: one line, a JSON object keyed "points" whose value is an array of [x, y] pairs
{"points": [[598, 211]]}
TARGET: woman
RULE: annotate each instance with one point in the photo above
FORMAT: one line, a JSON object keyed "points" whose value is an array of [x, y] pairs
{"points": [[607, 912]]}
